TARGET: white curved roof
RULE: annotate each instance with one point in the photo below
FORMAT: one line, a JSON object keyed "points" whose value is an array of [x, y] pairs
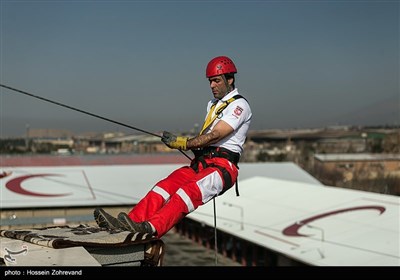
{"points": [[280, 207], [324, 226]]}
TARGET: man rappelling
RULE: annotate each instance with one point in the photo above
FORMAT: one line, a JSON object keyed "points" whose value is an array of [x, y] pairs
{"points": [[213, 170]]}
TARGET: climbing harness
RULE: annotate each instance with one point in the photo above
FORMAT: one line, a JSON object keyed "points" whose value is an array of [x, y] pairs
{"points": [[210, 152], [211, 118]]}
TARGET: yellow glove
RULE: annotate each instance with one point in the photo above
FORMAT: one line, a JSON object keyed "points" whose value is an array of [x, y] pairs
{"points": [[174, 142]]}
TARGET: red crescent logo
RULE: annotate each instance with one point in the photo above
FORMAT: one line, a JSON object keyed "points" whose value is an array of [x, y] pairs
{"points": [[293, 230], [14, 185]]}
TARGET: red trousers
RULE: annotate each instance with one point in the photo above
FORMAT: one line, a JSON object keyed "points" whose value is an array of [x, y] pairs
{"points": [[182, 192]]}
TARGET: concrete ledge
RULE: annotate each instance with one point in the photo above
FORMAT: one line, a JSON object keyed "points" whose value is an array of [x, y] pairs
{"points": [[81, 245], [20, 253], [118, 256]]}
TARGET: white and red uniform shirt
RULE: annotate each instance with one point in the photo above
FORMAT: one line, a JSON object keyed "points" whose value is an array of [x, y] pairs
{"points": [[238, 115]]}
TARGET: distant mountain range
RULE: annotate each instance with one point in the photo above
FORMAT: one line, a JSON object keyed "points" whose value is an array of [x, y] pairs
{"points": [[384, 112]]}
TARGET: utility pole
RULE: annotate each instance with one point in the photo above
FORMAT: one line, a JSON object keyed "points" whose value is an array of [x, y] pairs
{"points": [[27, 132]]}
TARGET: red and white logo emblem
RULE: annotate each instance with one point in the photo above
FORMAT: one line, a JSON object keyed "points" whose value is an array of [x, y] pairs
{"points": [[238, 111]]}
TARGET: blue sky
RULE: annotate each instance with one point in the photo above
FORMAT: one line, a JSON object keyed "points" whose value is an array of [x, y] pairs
{"points": [[301, 64]]}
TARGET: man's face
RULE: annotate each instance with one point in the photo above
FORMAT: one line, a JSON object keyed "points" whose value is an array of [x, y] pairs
{"points": [[218, 86]]}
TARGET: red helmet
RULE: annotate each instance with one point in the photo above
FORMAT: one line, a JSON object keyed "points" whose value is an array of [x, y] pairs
{"points": [[220, 65]]}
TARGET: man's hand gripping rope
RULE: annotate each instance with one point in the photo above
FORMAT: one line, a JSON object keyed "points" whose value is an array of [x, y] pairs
{"points": [[174, 142]]}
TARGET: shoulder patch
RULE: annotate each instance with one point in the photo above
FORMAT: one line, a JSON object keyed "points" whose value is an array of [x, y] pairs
{"points": [[238, 111]]}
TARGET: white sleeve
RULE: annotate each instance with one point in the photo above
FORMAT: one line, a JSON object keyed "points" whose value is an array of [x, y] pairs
{"points": [[236, 113]]}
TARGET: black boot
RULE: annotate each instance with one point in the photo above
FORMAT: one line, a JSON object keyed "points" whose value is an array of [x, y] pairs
{"points": [[143, 227], [105, 220]]}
